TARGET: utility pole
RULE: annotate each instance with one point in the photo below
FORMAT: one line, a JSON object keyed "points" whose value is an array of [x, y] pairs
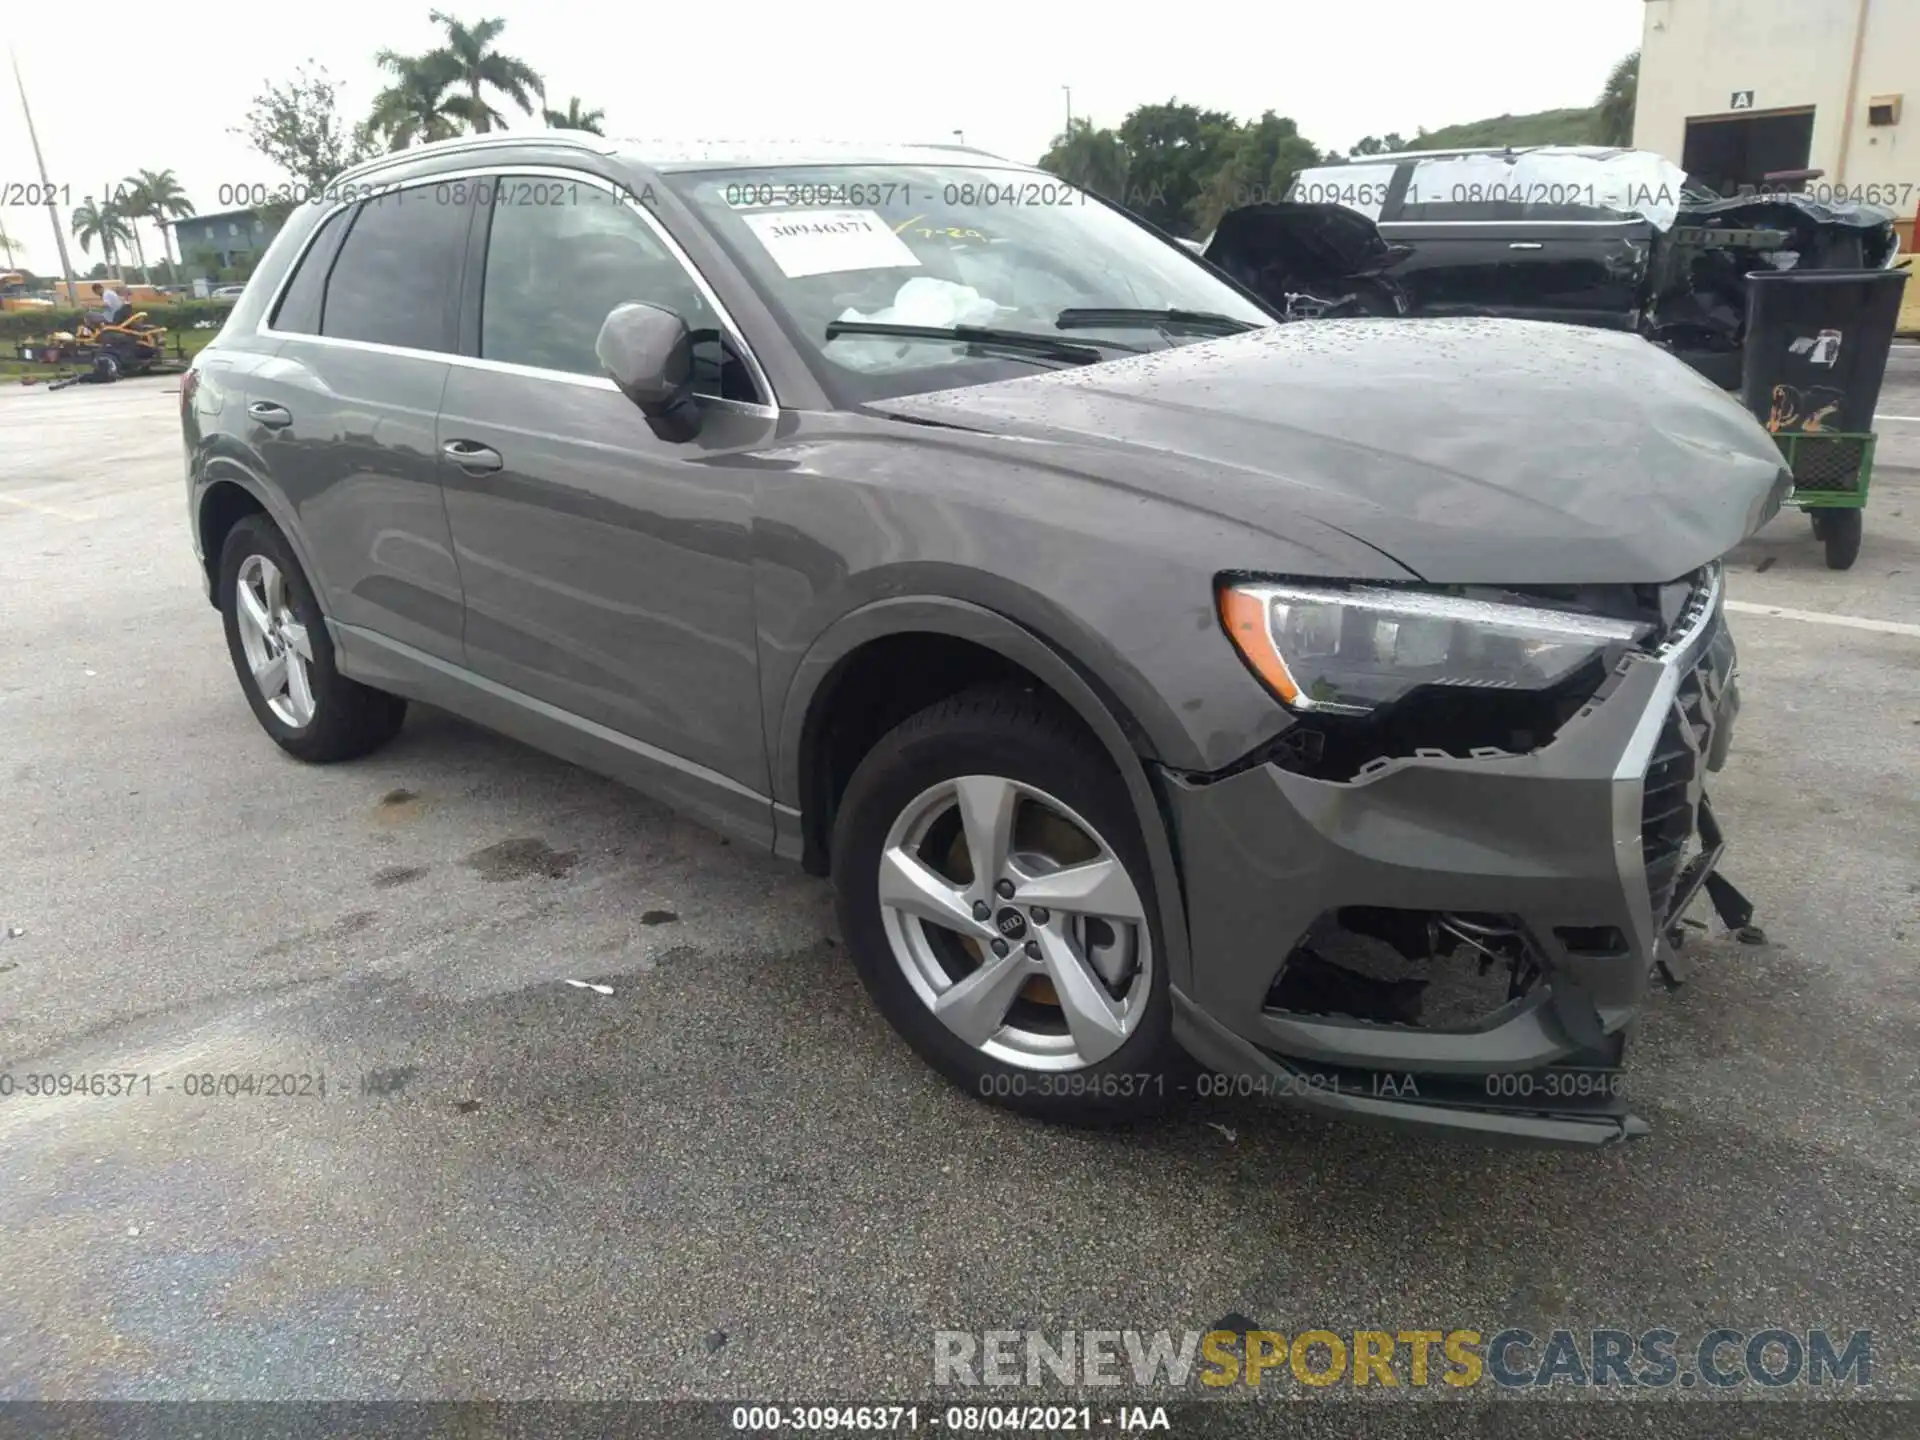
{"points": [[1069, 129], [46, 186]]}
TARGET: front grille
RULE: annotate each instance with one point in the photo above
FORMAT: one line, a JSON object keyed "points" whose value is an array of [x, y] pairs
{"points": [[1672, 796], [1676, 776]]}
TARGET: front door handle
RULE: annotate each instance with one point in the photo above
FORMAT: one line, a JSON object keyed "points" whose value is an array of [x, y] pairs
{"points": [[1524, 245], [472, 457], [266, 413]]}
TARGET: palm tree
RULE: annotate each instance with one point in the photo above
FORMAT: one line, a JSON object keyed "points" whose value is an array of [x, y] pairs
{"points": [[1614, 112], [102, 222], [416, 107], [574, 118], [476, 64], [7, 243], [156, 195]]}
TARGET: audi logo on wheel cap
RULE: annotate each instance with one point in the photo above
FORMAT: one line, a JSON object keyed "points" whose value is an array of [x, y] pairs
{"points": [[1010, 923]]}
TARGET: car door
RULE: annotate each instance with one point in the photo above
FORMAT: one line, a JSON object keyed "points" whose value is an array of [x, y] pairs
{"points": [[1480, 247], [607, 573], [343, 413]]}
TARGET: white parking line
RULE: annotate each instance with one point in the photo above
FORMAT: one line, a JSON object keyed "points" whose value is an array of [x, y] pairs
{"points": [[55, 511], [1819, 617], [1915, 419]]}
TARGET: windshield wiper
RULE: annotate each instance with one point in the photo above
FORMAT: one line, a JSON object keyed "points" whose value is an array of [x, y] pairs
{"points": [[1051, 346], [1119, 319]]}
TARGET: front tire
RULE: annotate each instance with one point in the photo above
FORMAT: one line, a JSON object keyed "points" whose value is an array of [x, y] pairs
{"points": [[284, 657], [994, 892]]}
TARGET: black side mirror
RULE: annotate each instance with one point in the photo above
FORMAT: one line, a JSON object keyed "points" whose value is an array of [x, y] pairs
{"points": [[648, 352]]}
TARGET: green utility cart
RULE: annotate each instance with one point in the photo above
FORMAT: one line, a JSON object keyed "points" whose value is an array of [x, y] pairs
{"points": [[1815, 356]]}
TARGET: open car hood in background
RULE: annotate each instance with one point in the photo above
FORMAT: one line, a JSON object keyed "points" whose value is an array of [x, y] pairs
{"points": [[1315, 245]]}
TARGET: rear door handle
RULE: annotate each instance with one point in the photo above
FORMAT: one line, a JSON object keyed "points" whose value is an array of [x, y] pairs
{"points": [[472, 457], [274, 417], [1524, 245]]}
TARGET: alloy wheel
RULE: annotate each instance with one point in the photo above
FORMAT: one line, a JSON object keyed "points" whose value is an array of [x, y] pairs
{"points": [[278, 649], [1016, 923]]}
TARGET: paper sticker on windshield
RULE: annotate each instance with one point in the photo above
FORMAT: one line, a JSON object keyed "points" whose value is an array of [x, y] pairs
{"points": [[822, 242]]}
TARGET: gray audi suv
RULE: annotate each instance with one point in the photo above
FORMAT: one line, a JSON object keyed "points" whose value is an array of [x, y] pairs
{"points": [[1327, 703]]}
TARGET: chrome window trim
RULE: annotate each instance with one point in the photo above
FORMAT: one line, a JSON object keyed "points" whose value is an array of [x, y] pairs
{"points": [[728, 324], [569, 139]]}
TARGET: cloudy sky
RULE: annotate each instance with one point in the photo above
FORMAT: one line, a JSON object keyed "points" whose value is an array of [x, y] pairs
{"points": [[851, 69]]}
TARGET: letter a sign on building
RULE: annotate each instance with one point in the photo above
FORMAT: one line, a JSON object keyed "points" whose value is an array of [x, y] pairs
{"points": [[1742, 100]]}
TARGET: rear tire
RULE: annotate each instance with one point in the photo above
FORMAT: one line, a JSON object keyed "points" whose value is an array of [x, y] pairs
{"points": [[1841, 535], [286, 666], [1077, 1027]]}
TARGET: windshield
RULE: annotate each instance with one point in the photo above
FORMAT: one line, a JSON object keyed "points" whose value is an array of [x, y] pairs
{"points": [[939, 247]]}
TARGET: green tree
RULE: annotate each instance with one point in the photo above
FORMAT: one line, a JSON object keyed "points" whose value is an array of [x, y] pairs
{"points": [[1259, 166], [297, 126], [575, 118], [156, 195], [1614, 110], [1173, 150], [101, 221], [1380, 144], [1093, 159], [416, 107], [476, 66]]}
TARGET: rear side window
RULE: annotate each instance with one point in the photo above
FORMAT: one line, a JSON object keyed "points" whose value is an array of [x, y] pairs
{"points": [[397, 281], [299, 310]]}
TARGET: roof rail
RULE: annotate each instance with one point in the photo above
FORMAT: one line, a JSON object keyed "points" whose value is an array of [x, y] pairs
{"points": [[460, 144]]}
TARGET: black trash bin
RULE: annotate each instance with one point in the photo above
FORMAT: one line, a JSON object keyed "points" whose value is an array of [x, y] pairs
{"points": [[1815, 356], [1816, 347]]}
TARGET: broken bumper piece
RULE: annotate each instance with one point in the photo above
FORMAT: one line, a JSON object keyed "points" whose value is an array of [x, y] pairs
{"points": [[1463, 943]]}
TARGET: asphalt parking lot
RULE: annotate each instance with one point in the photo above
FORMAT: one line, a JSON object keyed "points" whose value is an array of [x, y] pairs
{"points": [[726, 1178]]}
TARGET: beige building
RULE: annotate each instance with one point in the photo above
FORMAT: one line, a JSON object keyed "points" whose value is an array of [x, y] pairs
{"points": [[1736, 90], [1759, 92]]}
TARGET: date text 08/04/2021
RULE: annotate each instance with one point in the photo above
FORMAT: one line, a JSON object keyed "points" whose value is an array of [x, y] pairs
{"points": [[951, 1419], [136, 1085]]}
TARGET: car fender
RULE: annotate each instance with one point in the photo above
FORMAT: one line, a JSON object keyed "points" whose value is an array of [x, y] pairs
{"points": [[234, 464], [964, 620]]}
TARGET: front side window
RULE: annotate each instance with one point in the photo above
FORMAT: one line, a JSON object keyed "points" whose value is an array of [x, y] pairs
{"points": [[561, 253], [397, 280], [944, 247]]}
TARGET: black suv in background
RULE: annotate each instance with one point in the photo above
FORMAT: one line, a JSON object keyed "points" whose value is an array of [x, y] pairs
{"points": [[1589, 235]]}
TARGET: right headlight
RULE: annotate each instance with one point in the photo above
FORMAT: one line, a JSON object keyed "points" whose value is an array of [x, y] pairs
{"points": [[1349, 652]]}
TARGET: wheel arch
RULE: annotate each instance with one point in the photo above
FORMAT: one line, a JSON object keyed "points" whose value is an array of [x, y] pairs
{"points": [[227, 494], [1000, 648]]}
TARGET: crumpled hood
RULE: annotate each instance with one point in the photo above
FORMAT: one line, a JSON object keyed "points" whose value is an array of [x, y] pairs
{"points": [[1471, 451]]}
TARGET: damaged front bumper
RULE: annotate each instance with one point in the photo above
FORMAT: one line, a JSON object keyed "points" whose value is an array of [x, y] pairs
{"points": [[1563, 872]]}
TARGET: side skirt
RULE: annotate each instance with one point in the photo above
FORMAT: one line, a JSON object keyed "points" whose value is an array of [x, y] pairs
{"points": [[702, 794]]}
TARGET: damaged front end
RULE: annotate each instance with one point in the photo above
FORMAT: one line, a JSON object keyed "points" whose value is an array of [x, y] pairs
{"points": [[1695, 293], [1615, 239], [1450, 913], [1309, 261]]}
